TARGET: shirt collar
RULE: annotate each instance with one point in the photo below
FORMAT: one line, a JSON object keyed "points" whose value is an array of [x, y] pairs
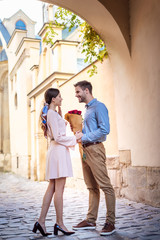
{"points": [[91, 102]]}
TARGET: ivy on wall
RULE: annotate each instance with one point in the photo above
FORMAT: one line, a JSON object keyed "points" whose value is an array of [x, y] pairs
{"points": [[92, 45]]}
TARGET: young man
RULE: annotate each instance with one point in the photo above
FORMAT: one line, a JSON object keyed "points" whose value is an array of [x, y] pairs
{"points": [[95, 128]]}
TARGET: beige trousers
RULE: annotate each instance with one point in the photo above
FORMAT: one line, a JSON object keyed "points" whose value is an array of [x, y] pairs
{"points": [[96, 177]]}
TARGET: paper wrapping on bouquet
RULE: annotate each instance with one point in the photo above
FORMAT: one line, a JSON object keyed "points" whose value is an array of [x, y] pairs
{"points": [[74, 118]]}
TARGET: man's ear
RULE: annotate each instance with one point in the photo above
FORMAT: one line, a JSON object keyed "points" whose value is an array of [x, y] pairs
{"points": [[87, 90]]}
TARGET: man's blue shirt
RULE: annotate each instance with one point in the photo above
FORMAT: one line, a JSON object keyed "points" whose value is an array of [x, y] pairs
{"points": [[96, 122]]}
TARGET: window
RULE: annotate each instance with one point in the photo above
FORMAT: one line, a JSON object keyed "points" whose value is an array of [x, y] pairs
{"points": [[20, 25]]}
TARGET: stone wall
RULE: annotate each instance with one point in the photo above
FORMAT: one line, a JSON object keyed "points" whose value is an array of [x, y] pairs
{"points": [[141, 184]]}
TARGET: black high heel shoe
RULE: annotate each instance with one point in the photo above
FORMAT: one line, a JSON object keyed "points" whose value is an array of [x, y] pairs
{"points": [[37, 226], [58, 228]]}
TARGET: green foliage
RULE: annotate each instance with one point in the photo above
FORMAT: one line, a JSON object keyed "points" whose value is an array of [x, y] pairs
{"points": [[66, 19], [92, 45], [50, 34]]}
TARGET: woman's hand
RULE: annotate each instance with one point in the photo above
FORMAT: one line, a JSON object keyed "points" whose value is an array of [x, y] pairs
{"points": [[78, 136], [59, 111], [66, 123]]}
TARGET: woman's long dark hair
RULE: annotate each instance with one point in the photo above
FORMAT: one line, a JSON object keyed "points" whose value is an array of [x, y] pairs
{"points": [[49, 94]]}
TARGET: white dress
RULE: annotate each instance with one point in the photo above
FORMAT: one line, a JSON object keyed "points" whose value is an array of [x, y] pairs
{"points": [[58, 162]]}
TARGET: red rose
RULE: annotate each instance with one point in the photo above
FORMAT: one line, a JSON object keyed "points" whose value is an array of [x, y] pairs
{"points": [[75, 112]]}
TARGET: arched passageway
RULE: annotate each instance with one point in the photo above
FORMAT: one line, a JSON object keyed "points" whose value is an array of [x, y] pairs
{"points": [[130, 30], [115, 34], [116, 37]]}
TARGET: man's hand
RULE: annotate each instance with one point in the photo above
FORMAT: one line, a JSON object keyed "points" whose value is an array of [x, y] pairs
{"points": [[78, 136]]}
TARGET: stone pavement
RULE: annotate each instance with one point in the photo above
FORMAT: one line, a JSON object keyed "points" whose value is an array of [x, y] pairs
{"points": [[20, 203]]}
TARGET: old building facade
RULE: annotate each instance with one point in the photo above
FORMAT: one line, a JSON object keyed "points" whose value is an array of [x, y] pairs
{"points": [[127, 82]]}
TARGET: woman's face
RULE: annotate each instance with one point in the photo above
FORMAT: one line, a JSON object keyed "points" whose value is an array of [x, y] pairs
{"points": [[58, 100]]}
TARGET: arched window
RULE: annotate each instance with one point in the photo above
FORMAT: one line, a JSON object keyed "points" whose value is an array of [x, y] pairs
{"points": [[20, 25]]}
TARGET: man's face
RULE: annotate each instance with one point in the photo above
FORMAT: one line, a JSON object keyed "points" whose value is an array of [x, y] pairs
{"points": [[80, 94]]}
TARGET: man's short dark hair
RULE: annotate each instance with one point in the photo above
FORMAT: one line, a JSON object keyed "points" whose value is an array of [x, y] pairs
{"points": [[84, 84]]}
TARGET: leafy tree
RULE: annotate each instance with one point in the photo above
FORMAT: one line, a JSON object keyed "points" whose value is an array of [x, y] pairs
{"points": [[92, 45]]}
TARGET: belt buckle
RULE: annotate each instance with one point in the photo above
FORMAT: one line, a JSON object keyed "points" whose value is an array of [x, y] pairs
{"points": [[85, 145], [89, 144]]}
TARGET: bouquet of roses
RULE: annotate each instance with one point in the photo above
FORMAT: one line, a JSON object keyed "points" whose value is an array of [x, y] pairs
{"points": [[74, 118]]}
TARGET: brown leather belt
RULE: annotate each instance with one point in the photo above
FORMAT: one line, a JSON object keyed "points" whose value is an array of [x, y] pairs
{"points": [[89, 144]]}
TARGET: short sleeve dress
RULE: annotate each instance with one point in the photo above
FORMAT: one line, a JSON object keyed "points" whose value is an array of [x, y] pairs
{"points": [[58, 162]]}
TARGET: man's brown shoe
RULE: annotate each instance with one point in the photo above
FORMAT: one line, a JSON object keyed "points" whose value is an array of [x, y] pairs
{"points": [[108, 229], [84, 225]]}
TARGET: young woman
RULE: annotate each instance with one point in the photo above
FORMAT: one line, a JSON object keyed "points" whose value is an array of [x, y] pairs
{"points": [[58, 164]]}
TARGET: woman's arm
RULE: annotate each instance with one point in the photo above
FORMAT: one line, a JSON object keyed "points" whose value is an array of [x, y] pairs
{"points": [[52, 121]]}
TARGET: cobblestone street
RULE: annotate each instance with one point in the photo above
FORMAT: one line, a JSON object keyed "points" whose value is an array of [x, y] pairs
{"points": [[20, 203]]}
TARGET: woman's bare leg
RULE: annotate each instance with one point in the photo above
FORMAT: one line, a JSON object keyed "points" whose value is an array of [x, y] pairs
{"points": [[46, 203], [58, 201]]}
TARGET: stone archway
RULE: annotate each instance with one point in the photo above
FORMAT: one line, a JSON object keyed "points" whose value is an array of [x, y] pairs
{"points": [[130, 30], [111, 21]]}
